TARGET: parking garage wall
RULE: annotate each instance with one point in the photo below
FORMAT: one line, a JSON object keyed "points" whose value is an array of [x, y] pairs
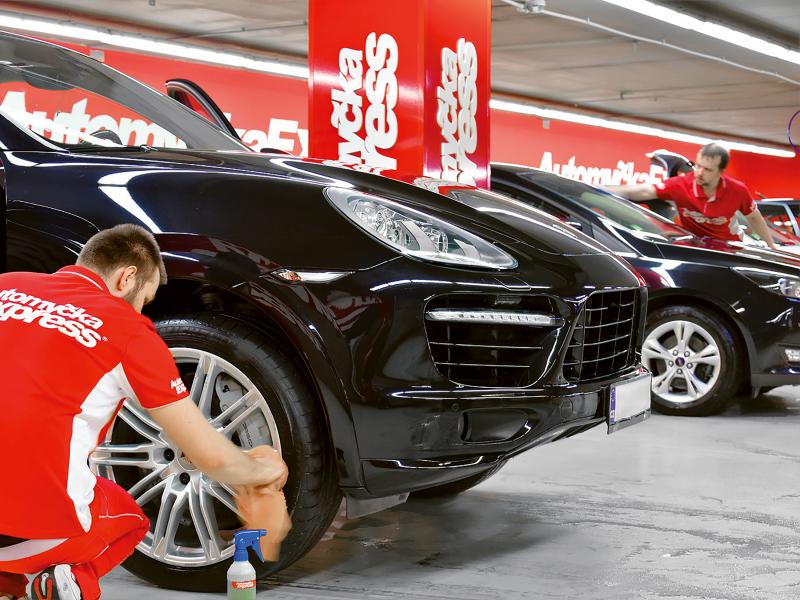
{"points": [[271, 111]]}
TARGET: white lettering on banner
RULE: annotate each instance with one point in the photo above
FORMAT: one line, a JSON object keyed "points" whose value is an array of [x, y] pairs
{"points": [[70, 320], [378, 121], [67, 127], [623, 174], [457, 98]]}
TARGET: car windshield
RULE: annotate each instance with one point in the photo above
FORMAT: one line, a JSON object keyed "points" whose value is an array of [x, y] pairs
{"points": [[80, 104], [610, 207]]}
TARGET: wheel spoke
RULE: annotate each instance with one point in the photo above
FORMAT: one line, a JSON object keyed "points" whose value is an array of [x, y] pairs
{"points": [[222, 493], [201, 509], [240, 404], [653, 349], [138, 489], [231, 427], [125, 455], [661, 383], [205, 375], [684, 330], [694, 387], [151, 493], [708, 355], [173, 505], [138, 420]]}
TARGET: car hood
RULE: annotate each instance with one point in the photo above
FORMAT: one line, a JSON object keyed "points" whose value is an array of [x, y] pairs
{"points": [[210, 193]]}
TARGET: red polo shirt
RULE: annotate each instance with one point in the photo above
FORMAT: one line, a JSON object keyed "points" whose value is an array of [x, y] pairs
{"points": [[72, 353], [703, 215]]}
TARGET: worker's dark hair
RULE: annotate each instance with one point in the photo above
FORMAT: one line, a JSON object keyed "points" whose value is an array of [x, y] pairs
{"points": [[713, 150], [124, 246]]}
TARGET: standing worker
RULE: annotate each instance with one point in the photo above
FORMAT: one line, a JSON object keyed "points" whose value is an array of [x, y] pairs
{"points": [[75, 346], [706, 199]]}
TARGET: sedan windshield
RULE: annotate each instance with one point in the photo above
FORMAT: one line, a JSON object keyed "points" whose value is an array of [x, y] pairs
{"points": [[78, 103], [610, 207]]}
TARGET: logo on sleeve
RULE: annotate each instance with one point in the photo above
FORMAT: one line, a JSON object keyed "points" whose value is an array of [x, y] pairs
{"points": [[178, 386]]}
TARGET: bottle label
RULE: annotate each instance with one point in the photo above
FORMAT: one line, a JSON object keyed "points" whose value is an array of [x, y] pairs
{"points": [[243, 585]]}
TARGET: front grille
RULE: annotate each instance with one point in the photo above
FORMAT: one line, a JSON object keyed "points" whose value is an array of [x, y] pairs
{"points": [[603, 341], [491, 354]]}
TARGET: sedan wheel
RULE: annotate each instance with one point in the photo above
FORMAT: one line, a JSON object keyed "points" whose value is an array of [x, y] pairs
{"points": [[692, 355], [684, 360]]}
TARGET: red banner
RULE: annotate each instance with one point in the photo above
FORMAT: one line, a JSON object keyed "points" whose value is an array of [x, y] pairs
{"points": [[390, 91]]}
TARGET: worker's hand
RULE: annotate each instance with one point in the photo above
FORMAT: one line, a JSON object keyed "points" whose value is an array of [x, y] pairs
{"points": [[275, 471]]}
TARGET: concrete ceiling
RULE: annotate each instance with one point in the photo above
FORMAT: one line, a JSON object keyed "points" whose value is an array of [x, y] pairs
{"points": [[562, 59]]}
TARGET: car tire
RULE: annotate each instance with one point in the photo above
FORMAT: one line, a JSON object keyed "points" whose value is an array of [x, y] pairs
{"points": [[288, 410], [456, 487], [694, 357]]}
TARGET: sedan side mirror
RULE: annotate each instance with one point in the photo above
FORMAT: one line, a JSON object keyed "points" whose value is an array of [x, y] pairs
{"points": [[576, 224]]}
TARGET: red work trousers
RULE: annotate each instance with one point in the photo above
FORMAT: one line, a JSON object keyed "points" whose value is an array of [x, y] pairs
{"points": [[118, 525]]}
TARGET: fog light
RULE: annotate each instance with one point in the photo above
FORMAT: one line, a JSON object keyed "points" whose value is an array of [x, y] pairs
{"points": [[792, 354]]}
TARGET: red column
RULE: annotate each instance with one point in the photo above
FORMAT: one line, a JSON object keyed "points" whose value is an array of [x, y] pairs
{"points": [[401, 86]]}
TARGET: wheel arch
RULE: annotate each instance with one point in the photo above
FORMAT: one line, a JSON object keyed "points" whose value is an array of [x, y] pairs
{"points": [[215, 291]]}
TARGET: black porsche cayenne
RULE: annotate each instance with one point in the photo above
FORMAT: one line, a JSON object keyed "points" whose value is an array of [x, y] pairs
{"points": [[723, 318], [382, 337]]}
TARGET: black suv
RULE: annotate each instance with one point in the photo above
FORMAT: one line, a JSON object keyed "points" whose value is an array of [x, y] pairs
{"points": [[723, 318], [383, 338]]}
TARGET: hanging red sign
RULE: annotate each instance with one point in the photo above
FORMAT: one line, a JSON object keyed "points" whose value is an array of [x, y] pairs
{"points": [[390, 91]]}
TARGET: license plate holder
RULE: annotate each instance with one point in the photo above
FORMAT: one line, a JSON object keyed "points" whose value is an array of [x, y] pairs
{"points": [[628, 402]]}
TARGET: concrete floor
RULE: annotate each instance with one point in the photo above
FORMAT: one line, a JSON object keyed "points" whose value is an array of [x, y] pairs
{"points": [[670, 509]]}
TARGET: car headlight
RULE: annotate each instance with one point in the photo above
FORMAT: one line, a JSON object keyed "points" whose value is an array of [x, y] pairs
{"points": [[417, 234], [780, 283]]}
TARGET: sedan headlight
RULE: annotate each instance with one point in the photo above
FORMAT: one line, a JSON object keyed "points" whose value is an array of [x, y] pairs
{"points": [[780, 283], [417, 234]]}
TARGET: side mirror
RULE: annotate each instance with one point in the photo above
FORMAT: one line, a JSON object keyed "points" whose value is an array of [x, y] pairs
{"points": [[267, 150], [576, 224]]}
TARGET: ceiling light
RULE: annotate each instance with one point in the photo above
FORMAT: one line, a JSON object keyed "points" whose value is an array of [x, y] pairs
{"points": [[678, 136], [720, 32], [152, 45], [156, 46]]}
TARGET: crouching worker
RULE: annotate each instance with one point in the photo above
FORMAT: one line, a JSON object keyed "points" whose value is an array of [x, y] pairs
{"points": [[74, 346]]}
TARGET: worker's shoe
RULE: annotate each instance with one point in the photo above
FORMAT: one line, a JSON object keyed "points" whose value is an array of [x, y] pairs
{"points": [[55, 583]]}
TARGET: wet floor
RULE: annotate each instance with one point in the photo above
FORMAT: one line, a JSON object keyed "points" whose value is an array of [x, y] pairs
{"points": [[669, 509]]}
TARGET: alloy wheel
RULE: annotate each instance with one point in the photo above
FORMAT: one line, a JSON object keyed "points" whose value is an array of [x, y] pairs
{"points": [[684, 359], [192, 517]]}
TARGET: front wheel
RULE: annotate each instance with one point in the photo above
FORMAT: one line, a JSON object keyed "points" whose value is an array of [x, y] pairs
{"points": [[693, 357], [254, 395]]}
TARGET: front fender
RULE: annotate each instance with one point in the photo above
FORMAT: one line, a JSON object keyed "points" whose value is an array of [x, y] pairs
{"points": [[292, 311]]}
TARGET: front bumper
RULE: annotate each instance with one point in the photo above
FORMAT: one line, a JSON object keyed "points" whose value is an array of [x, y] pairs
{"points": [[774, 327], [436, 447]]}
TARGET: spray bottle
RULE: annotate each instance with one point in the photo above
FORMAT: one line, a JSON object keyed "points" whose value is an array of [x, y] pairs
{"points": [[242, 575]]}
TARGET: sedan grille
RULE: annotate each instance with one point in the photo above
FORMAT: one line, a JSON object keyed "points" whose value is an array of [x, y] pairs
{"points": [[604, 339], [495, 350]]}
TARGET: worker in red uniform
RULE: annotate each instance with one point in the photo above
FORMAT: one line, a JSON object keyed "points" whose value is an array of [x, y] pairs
{"points": [[706, 199], [75, 346]]}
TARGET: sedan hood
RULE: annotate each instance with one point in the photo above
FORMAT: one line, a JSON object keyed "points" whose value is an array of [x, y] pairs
{"points": [[733, 254]]}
